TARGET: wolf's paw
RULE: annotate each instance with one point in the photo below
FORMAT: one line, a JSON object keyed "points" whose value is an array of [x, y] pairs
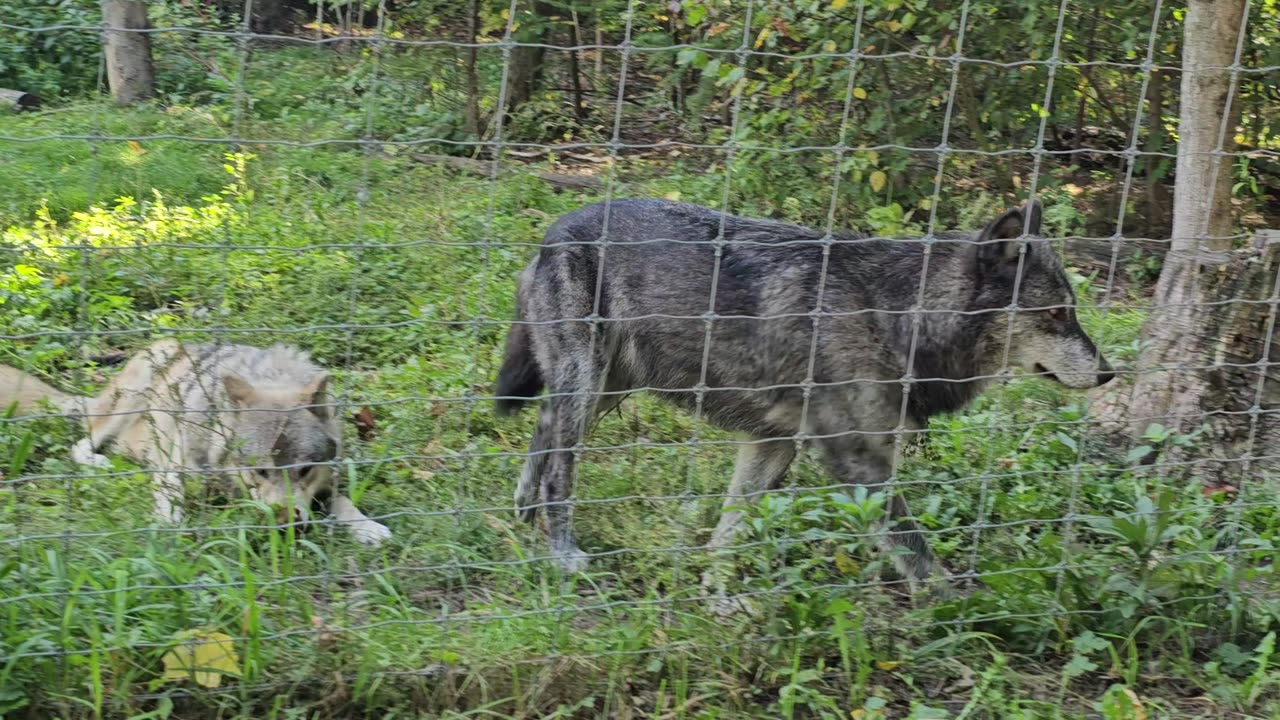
{"points": [[82, 454], [370, 533], [169, 515], [728, 607], [571, 562], [526, 502]]}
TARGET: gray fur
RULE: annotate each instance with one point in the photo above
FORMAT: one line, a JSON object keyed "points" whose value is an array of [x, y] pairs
{"points": [[658, 267]]}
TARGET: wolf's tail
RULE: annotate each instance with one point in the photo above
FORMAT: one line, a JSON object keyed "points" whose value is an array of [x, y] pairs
{"points": [[27, 392], [519, 380]]}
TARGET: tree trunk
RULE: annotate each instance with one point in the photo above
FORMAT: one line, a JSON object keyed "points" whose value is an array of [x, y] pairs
{"points": [[472, 72], [1185, 329], [525, 73], [130, 74], [579, 104], [1157, 193]]}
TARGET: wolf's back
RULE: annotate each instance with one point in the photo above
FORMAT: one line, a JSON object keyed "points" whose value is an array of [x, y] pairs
{"points": [[28, 392]]}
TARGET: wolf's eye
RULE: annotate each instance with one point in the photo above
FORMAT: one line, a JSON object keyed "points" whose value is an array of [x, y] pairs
{"points": [[1058, 314]]}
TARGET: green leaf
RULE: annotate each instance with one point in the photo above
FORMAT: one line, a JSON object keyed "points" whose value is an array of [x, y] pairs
{"points": [[1078, 666], [1137, 453]]}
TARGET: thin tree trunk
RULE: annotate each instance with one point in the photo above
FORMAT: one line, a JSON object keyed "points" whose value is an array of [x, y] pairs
{"points": [[525, 73], [597, 81], [473, 75], [130, 73], [579, 104], [1083, 85], [1157, 194], [1178, 333]]}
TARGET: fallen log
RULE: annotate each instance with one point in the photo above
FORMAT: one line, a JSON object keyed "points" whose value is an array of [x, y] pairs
{"points": [[18, 99], [483, 168]]}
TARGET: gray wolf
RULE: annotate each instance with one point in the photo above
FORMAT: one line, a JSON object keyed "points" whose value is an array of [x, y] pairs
{"points": [[260, 416], [625, 296]]}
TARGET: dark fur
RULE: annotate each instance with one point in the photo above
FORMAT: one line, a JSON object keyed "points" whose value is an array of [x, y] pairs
{"points": [[652, 307]]}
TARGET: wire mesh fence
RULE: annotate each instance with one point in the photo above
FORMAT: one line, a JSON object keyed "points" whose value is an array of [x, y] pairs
{"points": [[737, 413]]}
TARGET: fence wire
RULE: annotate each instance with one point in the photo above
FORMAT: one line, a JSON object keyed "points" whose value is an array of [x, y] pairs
{"points": [[459, 570]]}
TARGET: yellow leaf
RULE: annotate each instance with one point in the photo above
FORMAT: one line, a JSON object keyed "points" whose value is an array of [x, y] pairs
{"points": [[673, 196], [136, 147], [887, 665], [857, 714], [1139, 712], [846, 564], [839, 4], [829, 46], [877, 180], [764, 35], [202, 656], [873, 157], [894, 26], [860, 93]]}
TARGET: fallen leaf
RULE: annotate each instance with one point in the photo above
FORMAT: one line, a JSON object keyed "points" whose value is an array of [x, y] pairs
{"points": [[203, 656], [364, 424], [1139, 712], [137, 148], [326, 634], [1225, 489], [846, 564], [877, 180], [860, 93], [888, 665]]}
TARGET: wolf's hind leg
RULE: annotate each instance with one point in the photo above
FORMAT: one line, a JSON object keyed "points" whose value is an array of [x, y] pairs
{"points": [[562, 422]]}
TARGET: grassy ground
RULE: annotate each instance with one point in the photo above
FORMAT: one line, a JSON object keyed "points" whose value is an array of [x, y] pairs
{"points": [[1105, 593]]}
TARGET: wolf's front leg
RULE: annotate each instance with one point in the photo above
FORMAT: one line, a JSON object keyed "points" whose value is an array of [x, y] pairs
{"points": [[362, 528], [868, 460], [168, 494], [83, 453]]}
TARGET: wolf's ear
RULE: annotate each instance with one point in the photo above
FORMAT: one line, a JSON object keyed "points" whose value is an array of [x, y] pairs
{"points": [[238, 389], [316, 395], [997, 243]]}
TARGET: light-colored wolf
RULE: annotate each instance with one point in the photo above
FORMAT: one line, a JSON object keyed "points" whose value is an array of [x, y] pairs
{"points": [[718, 312], [260, 415]]}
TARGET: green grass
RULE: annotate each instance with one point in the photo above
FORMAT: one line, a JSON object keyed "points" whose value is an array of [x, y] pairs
{"points": [[1103, 591]]}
